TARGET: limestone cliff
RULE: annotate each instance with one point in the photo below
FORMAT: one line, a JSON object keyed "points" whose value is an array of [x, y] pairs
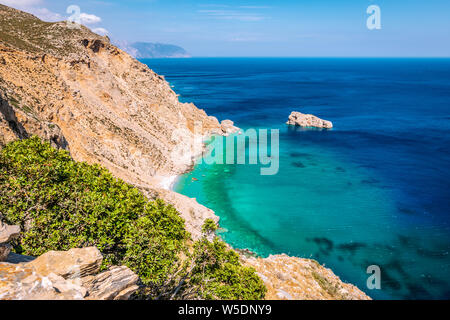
{"points": [[75, 89]]}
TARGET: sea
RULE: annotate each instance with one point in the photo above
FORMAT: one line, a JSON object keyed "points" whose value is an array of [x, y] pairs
{"points": [[372, 191]]}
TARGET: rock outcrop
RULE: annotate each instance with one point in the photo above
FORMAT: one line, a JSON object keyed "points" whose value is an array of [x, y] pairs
{"points": [[21, 282], [227, 127], [118, 283], [290, 278], [71, 275], [72, 264], [308, 120], [7, 234]]}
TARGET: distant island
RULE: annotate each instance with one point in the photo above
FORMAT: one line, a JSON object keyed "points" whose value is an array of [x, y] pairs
{"points": [[149, 50]]}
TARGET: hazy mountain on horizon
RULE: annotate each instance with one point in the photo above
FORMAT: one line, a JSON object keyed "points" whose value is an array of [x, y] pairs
{"points": [[149, 50]]}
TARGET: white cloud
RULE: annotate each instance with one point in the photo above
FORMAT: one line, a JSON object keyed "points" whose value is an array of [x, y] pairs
{"points": [[255, 7], [100, 31], [233, 15], [20, 3], [247, 37], [243, 39], [212, 5], [46, 15], [86, 18], [34, 7]]}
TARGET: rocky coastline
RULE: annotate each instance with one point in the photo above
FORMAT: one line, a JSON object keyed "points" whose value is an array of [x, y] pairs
{"points": [[81, 93]]}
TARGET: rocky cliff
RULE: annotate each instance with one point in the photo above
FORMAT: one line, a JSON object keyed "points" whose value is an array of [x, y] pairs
{"points": [[73, 88]]}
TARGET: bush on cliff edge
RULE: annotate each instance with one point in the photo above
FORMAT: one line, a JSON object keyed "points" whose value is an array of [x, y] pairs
{"points": [[62, 204]]}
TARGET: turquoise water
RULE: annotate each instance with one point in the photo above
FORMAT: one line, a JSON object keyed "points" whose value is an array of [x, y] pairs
{"points": [[373, 190]]}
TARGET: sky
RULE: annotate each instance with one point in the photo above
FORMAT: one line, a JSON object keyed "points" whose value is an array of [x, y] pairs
{"points": [[257, 28]]}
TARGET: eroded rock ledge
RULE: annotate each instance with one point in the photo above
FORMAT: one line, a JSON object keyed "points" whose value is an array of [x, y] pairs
{"points": [[7, 234], [68, 275]]}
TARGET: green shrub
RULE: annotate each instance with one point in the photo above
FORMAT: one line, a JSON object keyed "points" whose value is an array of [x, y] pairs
{"points": [[209, 226], [218, 273], [62, 204]]}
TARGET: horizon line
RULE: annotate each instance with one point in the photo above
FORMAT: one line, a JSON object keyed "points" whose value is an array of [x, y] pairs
{"points": [[309, 57]]}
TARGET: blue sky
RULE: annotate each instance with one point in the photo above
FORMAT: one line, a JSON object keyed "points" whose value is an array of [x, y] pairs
{"points": [[410, 28]]}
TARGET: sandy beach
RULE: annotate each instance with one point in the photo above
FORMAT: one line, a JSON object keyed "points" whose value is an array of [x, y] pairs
{"points": [[168, 183]]}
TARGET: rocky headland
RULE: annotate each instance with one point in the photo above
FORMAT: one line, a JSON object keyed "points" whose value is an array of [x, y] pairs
{"points": [[308, 120], [75, 89]]}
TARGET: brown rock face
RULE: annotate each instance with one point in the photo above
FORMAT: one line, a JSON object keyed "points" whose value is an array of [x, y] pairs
{"points": [[21, 282], [7, 233], [56, 275], [5, 249], [290, 278], [75, 263], [70, 275], [308, 120], [118, 283]]}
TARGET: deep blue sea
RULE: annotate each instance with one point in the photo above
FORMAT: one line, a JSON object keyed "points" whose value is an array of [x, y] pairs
{"points": [[374, 190]]}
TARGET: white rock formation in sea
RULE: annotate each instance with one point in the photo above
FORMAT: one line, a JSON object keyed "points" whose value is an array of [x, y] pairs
{"points": [[227, 127], [308, 120]]}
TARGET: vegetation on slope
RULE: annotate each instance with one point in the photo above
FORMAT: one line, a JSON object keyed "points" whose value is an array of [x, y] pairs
{"points": [[62, 204], [26, 32]]}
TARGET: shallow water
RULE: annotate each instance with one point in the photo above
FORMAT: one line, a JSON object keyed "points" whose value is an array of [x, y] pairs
{"points": [[373, 190]]}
